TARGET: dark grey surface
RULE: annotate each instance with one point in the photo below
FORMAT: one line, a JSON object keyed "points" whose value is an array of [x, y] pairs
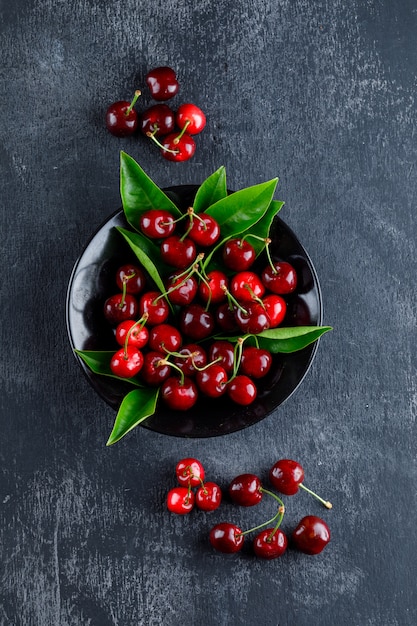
{"points": [[321, 94]]}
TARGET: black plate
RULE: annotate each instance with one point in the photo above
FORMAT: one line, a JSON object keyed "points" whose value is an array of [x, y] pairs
{"points": [[92, 281]]}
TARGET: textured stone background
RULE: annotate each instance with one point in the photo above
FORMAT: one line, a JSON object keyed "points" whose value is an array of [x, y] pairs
{"points": [[321, 94]]}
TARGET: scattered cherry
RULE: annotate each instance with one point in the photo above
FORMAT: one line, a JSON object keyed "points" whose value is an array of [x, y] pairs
{"points": [[226, 538], [311, 535], [287, 477], [270, 543], [121, 117], [162, 83], [175, 148], [180, 500], [208, 497], [189, 472], [157, 120], [190, 118], [246, 490]]}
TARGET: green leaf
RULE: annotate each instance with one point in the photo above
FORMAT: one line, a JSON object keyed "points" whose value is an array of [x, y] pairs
{"points": [[242, 209], [136, 406], [139, 193], [148, 255], [290, 339], [263, 226], [211, 190], [99, 362]]}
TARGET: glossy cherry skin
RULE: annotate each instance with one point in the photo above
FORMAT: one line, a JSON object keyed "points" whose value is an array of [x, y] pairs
{"points": [[119, 121], [154, 306], [286, 476], [270, 544], [212, 381], [276, 307], [178, 252], [223, 350], [157, 223], [177, 395], [162, 82], [255, 362], [177, 148], [165, 338], [242, 390], [238, 254], [213, 289], [126, 362], [181, 291], [195, 357], [208, 497], [180, 500], [191, 117], [246, 490], [189, 472], [154, 371], [311, 535], [157, 120], [226, 538], [195, 322], [132, 277], [135, 334], [280, 279], [246, 286], [253, 319], [225, 317], [120, 307], [204, 230]]}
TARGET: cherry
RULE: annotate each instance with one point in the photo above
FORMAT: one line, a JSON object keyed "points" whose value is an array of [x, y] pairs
{"points": [[181, 290], [121, 117], [255, 362], [157, 120], [162, 83], [196, 322], [311, 535], [225, 317], [212, 380], [120, 307], [155, 306], [203, 229], [208, 497], [175, 148], [213, 289], [164, 338], [126, 362], [223, 352], [190, 118], [157, 223], [246, 490], [180, 500], [238, 254], [178, 251], [189, 358], [280, 277], [270, 543], [155, 369], [132, 277], [246, 286], [189, 472], [242, 390], [287, 477], [226, 538], [253, 319], [133, 333], [179, 394], [276, 308]]}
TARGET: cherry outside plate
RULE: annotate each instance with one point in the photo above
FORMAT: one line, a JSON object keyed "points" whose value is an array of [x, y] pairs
{"points": [[92, 281]]}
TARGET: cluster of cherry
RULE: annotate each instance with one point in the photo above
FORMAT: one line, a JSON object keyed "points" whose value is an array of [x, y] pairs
{"points": [[310, 536], [170, 131]]}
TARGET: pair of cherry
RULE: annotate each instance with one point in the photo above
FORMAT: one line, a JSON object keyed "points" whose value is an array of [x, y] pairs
{"points": [[171, 131]]}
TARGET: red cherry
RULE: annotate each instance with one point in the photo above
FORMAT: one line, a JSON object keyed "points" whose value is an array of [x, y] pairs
{"points": [[208, 497], [180, 290], [157, 223], [133, 332], [179, 395], [126, 362], [190, 117], [192, 357], [196, 322], [165, 338], [238, 254], [242, 390], [281, 278], [253, 319], [276, 308], [286, 476], [155, 370], [246, 490], [162, 83], [120, 307], [226, 538], [155, 306], [212, 380], [189, 472], [255, 362], [225, 317], [311, 535], [132, 277], [204, 230], [270, 543], [175, 148], [180, 500], [246, 286], [157, 120], [223, 350], [212, 290], [177, 251], [121, 117]]}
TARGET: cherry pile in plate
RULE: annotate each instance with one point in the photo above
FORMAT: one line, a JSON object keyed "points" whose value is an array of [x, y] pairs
{"points": [[172, 339], [172, 131], [310, 535]]}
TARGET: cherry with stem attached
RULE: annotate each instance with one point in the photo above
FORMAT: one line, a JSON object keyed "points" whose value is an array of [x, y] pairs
{"points": [[121, 117], [287, 476]]}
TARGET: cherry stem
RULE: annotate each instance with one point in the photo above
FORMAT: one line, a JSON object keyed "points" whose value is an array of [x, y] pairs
{"points": [[252, 293], [176, 367], [232, 299], [132, 104], [141, 323], [237, 357], [278, 515], [178, 138], [159, 144], [325, 503], [270, 261], [124, 290]]}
